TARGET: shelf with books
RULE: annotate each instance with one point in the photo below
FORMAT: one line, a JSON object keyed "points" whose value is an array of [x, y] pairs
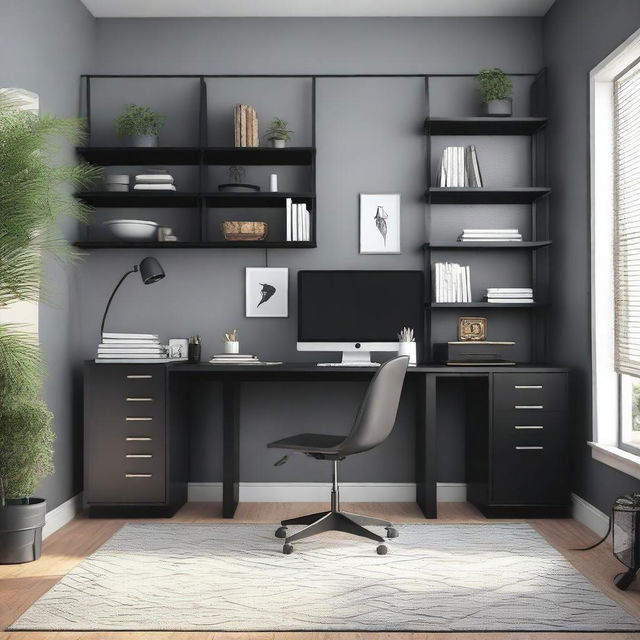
{"points": [[486, 305], [457, 245], [484, 126], [219, 244], [484, 195]]}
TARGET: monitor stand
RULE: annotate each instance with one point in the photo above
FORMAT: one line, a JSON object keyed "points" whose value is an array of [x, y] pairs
{"points": [[352, 359]]}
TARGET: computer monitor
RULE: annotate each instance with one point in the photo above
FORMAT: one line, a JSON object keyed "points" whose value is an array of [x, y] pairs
{"points": [[357, 312]]}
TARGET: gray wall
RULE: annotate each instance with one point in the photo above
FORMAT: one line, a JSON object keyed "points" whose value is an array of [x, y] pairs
{"points": [[578, 34], [369, 140], [44, 46]]}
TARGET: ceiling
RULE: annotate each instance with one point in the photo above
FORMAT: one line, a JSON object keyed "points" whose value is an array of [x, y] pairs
{"points": [[314, 8]]}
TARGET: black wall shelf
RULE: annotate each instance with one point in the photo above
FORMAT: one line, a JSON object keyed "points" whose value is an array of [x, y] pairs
{"points": [[487, 305], [222, 244], [474, 246], [483, 126], [475, 195]]}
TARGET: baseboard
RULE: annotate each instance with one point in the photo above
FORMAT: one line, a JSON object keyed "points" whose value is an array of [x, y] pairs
{"points": [[58, 517], [588, 515], [319, 492]]}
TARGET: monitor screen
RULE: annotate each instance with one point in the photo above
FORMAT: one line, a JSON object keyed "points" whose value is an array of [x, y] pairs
{"points": [[359, 306]]}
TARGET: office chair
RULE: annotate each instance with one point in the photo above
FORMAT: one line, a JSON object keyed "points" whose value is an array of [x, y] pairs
{"points": [[373, 424]]}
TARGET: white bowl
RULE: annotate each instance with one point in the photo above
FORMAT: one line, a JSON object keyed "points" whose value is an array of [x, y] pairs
{"points": [[133, 229]]}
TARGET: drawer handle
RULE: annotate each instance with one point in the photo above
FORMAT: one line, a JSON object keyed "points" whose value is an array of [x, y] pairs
{"points": [[137, 439], [139, 376], [528, 406], [139, 455], [528, 426], [529, 448], [136, 419], [138, 475], [527, 386], [133, 399]]}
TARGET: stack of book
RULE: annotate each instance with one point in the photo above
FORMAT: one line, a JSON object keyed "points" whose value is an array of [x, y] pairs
{"points": [[508, 295], [490, 235], [234, 358], [154, 180], [298, 222], [459, 167], [117, 347], [451, 282], [245, 126]]}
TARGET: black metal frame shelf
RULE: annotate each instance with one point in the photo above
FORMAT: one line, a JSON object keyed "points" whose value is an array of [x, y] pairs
{"points": [[222, 244], [483, 126], [484, 195], [531, 245], [487, 305]]}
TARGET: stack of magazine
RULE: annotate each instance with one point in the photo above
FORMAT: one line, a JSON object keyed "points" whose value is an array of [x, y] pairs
{"points": [[234, 358], [490, 235], [459, 167], [508, 295], [451, 282], [124, 347]]}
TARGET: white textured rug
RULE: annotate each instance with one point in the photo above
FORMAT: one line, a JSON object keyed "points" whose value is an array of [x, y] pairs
{"points": [[234, 577]]}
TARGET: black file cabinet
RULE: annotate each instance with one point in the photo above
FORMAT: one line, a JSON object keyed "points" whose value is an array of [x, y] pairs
{"points": [[128, 469], [518, 459]]}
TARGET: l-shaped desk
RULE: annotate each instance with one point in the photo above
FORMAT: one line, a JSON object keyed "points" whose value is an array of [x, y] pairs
{"points": [[136, 430]]}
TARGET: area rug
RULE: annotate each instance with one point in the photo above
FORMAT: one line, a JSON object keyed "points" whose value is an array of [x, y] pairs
{"points": [[234, 577]]}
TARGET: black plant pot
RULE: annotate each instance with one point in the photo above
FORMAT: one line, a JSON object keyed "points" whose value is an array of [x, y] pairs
{"points": [[21, 531]]}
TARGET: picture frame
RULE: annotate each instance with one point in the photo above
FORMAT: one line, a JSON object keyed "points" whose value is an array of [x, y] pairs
{"points": [[380, 223], [267, 292], [472, 329]]}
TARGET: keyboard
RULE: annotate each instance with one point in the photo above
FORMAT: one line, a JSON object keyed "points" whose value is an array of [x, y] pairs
{"points": [[348, 364]]}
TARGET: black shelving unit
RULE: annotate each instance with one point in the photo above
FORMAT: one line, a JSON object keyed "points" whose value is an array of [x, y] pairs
{"points": [[202, 156], [534, 196]]}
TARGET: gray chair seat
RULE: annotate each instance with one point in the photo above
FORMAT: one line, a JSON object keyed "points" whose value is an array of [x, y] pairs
{"points": [[312, 443]]}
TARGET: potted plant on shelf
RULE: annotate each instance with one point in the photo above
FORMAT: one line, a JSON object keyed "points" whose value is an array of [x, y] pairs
{"points": [[496, 88], [278, 133], [141, 125], [31, 203]]}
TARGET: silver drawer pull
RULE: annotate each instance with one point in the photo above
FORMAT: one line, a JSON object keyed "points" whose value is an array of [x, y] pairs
{"points": [[139, 455], [528, 426], [137, 439], [138, 475], [139, 376], [130, 399], [136, 419], [527, 386], [529, 448], [528, 406]]}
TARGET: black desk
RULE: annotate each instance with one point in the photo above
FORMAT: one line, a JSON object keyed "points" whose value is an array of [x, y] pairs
{"points": [[499, 449]]}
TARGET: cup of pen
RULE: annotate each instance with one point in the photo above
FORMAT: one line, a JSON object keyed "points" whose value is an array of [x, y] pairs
{"points": [[194, 349], [231, 343]]}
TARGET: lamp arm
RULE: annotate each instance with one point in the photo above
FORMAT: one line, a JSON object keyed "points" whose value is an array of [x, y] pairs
{"points": [[106, 310]]}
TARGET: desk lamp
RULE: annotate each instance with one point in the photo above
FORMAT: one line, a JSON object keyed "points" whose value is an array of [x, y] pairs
{"points": [[150, 272]]}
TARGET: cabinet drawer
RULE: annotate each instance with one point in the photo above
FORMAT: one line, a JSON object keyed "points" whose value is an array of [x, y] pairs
{"points": [[117, 381], [530, 391], [513, 428]]}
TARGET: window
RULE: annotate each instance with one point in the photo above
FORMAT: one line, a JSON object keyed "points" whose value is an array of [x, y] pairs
{"points": [[615, 257]]}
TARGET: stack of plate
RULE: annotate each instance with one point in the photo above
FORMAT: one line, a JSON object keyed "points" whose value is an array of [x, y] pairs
{"points": [[116, 182], [133, 229]]}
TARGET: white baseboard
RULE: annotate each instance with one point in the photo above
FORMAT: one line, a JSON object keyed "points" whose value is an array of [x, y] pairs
{"points": [[319, 492], [588, 515], [58, 517]]}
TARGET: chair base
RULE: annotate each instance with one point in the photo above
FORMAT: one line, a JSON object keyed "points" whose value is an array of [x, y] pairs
{"points": [[342, 521]]}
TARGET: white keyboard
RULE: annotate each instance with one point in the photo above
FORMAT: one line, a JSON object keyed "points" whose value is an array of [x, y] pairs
{"points": [[348, 364]]}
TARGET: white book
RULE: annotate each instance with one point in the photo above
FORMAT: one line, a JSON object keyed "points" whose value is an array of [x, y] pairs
{"points": [[131, 336], [507, 296], [289, 226], [509, 290], [110, 349], [300, 222], [132, 355], [294, 222], [449, 167], [443, 171], [232, 356], [490, 231], [137, 360], [154, 178], [491, 239], [489, 234], [436, 283], [510, 300], [306, 215], [154, 187], [456, 171], [463, 166], [475, 167], [468, 270]]}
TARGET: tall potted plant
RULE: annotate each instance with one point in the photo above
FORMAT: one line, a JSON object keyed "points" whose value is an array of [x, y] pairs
{"points": [[33, 195], [496, 90], [278, 133], [140, 125]]}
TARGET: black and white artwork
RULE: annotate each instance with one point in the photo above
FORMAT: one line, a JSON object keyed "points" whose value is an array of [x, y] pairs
{"points": [[379, 223], [267, 292]]}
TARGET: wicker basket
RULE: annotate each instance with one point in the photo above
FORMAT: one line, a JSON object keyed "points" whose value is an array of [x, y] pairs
{"points": [[244, 231]]}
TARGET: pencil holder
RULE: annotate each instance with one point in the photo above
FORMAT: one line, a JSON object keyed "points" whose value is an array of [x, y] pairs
{"points": [[232, 347], [194, 352]]}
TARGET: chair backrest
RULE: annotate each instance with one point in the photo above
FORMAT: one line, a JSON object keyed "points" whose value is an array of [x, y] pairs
{"points": [[378, 410]]}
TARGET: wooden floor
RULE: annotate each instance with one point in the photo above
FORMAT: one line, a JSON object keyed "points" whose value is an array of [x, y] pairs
{"points": [[21, 585]]}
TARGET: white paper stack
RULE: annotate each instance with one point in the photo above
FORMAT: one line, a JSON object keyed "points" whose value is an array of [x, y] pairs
{"points": [[490, 235], [508, 295], [459, 167], [130, 346], [158, 180], [298, 222], [234, 358], [451, 282]]}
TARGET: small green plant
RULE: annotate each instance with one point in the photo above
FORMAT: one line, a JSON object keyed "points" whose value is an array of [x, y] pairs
{"points": [[138, 121], [494, 85], [277, 130]]}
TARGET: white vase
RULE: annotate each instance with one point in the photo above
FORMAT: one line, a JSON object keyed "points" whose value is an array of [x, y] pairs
{"points": [[408, 349], [278, 144], [232, 347]]}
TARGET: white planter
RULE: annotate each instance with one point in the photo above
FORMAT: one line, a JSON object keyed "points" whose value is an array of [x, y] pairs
{"points": [[408, 349], [499, 108], [279, 144], [232, 347]]}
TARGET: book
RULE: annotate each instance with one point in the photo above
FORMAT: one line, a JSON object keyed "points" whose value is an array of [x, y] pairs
{"points": [[130, 336], [300, 222], [475, 167], [451, 282], [236, 125], [496, 231], [133, 356], [509, 290], [153, 178], [510, 300], [294, 222], [154, 187], [289, 221]]}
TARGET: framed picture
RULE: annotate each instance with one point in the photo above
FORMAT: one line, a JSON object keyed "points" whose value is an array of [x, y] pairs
{"points": [[379, 223], [267, 292], [472, 329]]}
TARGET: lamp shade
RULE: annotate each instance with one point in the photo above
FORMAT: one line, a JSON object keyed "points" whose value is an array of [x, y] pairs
{"points": [[150, 270]]}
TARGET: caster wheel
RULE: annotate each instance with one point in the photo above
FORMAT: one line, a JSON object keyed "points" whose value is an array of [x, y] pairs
{"points": [[281, 532], [287, 548], [392, 532], [382, 550]]}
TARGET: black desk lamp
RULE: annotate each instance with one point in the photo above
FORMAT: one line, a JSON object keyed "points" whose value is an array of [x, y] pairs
{"points": [[150, 272]]}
